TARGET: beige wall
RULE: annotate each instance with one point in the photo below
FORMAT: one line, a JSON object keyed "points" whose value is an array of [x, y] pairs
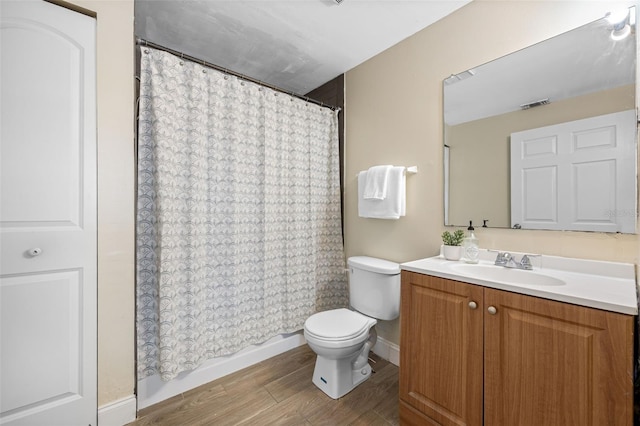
{"points": [[394, 116], [115, 93]]}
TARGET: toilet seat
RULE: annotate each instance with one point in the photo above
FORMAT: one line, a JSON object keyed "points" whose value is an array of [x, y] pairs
{"points": [[338, 325]]}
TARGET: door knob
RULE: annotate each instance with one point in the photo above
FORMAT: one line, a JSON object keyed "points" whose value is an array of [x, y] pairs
{"points": [[36, 251], [473, 305], [492, 310]]}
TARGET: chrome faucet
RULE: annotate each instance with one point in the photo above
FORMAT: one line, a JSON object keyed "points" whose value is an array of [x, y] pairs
{"points": [[508, 261]]}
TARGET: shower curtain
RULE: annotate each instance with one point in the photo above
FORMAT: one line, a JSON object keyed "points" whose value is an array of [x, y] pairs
{"points": [[238, 216]]}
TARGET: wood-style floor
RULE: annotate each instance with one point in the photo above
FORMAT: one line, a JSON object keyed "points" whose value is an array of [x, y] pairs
{"points": [[279, 391]]}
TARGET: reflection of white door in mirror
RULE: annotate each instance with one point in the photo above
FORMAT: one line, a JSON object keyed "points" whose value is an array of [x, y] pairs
{"points": [[579, 175]]}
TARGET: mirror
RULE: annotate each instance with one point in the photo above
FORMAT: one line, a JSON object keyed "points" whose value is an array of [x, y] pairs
{"points": [[504, 121]]}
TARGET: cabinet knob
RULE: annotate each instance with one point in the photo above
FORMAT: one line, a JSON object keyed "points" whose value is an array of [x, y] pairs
{"points": [[492, 310], [473, 305], [36, 251]]}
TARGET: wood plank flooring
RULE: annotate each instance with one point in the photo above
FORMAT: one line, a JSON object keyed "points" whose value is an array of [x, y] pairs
{"points": [[279, 391]]}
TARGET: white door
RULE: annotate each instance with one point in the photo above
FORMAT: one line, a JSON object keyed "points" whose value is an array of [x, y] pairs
{"points": [[48, 224], [579, 175]]}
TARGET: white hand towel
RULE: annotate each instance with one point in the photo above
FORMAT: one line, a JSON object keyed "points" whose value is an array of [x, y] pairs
{"points": [[376, 182], [393, 206]]}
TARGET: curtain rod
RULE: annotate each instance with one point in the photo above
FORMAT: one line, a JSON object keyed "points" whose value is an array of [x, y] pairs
{"points": [[142, 42]]}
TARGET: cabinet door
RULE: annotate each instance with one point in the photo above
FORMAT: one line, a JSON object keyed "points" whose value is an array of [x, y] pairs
{"points": [[441, 357], [550, 363]]}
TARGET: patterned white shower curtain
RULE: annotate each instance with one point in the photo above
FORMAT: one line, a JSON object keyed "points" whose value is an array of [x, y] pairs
{"points": [[238, 223]]}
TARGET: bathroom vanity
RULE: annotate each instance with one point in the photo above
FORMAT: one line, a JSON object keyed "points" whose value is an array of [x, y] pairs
{"points": [[483, 344]]}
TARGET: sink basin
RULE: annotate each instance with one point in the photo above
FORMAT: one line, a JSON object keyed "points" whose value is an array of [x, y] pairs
{"points": [[506, 275]]}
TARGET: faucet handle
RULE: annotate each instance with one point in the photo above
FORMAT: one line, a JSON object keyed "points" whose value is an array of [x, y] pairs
{"points": [[502, 259], [525, 263]]}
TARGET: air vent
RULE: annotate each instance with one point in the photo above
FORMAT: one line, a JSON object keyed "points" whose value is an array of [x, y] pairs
{"points": [[338, 1], [535, 104], [454, 78]]}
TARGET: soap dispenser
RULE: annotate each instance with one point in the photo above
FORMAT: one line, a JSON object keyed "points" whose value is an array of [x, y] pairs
{"points": [[470, 246]]}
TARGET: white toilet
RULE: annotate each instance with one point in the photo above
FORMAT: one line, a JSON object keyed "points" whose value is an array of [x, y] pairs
{"points": [[342, 338]]}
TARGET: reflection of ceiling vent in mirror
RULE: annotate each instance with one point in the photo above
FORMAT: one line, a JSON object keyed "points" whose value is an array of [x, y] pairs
{"points": [[459, 77], [534, 104]]}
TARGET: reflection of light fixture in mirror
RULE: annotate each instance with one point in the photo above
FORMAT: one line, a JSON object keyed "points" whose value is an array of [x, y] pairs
{"points": [[620, 31], [622, 22]]}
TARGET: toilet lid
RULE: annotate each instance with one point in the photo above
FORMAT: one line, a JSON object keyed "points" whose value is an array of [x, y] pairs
{"points": [[337, 324]]}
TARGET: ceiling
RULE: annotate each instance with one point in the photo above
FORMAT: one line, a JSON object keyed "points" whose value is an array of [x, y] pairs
{"points": [[295, 45]]}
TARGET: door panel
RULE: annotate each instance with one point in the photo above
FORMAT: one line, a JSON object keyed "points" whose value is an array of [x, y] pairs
{"points": [[594, 184], [48, 224], [49, 191], [47, 305], [540, 206]]}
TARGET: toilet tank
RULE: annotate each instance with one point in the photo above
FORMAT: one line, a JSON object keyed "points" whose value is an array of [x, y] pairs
{"points": [[374, 287]]}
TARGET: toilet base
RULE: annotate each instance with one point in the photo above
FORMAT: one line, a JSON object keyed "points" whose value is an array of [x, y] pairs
{"points": [[337, 377]]}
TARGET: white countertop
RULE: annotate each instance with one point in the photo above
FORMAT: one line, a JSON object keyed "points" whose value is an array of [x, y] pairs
{"points": [[603, 285]]}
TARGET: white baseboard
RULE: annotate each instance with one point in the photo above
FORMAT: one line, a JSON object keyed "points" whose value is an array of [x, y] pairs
{"points": [[152, 390], [118, 413], [387, 350]]}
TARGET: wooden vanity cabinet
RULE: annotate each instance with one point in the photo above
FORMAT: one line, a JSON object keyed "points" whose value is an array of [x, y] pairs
{"points": [[472, 355]]}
